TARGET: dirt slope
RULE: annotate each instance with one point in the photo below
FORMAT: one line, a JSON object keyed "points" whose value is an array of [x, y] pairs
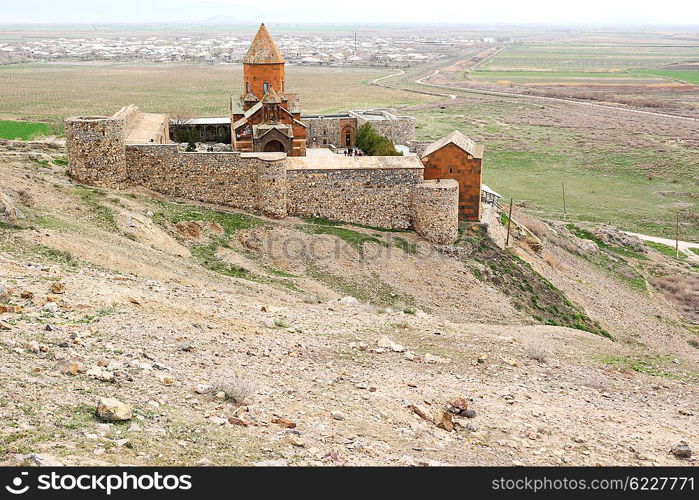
{"points": [[290, 317]]}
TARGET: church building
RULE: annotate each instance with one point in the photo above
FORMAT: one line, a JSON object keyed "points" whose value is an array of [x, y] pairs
{"points": [[266, 118]]}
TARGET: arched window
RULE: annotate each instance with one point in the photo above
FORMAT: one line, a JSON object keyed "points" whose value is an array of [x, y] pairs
{"points": [[266, 86], [282, 85], [247, 87]]}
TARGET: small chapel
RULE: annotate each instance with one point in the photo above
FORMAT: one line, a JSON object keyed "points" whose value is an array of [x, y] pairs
{"points": [[266, 118]]}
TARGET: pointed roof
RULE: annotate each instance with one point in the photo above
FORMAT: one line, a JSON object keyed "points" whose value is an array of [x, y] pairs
{"points": [[271, 97], [459, 140], [263, 50]]}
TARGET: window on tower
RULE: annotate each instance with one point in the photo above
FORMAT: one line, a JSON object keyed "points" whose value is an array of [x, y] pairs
{"points": [[266, 86], [247, 87]]}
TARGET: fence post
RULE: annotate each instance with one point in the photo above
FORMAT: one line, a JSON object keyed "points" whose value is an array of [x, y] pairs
{"points": [[509, 221]]}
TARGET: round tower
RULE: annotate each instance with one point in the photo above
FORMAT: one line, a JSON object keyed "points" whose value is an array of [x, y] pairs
{"points": [[436, 210], [96, 150], [263, 66]]}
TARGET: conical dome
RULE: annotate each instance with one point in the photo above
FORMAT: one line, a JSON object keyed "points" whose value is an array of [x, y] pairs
{"points": [[263, 50]]}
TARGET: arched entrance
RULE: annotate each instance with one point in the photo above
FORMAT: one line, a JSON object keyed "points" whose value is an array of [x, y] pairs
{"points": [[347, 136], [274, 147]]}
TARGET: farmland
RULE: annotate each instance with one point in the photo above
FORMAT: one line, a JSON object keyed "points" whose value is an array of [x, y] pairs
{"points": [[11, 129], [566, 78], [48, 91], [685, 76], [586, 57], [618, 168], [644, 72]]}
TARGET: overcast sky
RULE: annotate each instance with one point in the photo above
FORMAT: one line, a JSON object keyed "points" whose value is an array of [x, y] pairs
{"points": [[595, 12]]}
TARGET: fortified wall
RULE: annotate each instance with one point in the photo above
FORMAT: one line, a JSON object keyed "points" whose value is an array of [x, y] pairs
{"points": [[385, 192], [325, 130]]}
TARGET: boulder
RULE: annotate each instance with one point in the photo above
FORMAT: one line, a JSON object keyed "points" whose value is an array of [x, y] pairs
{"points": [[8, 212], [111, 409], [386, 343], [445, 421], [682, 450], [612, 236], [349, 301], [458, 406], [284, 422], [100, 373]]}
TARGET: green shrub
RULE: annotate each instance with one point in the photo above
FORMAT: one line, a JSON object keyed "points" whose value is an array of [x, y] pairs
{"points": [[373, 143]]}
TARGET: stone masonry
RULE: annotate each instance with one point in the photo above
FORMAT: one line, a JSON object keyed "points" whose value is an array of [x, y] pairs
{"points": [[433, 211], [382, 192], [97, 152]]}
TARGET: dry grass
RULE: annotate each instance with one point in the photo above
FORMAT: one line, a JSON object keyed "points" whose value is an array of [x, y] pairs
{"points": [[237, 387], [538, 352], [44, 91], [550, 259], [564, 243], [537, 227], [683, 291], [596, 381]]}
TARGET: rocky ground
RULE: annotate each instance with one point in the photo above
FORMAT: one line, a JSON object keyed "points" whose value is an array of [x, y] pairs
{"points": [[232, 339]]}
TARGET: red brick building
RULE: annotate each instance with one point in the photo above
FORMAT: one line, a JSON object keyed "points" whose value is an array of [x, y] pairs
{"points": [[457, 157], [266, 117]]}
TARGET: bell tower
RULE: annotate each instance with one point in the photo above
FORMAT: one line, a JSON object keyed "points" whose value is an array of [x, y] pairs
{"points": [[263, 66]]}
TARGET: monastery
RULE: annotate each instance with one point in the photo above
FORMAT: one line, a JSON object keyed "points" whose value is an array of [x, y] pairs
{"points": [[279, 162]]}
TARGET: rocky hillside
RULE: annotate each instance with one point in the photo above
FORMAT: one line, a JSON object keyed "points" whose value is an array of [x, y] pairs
{"points": [[138, 329]]}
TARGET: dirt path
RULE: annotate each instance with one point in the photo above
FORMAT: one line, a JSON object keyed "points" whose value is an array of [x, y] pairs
{"points": [[684, 246], [422, 81]]}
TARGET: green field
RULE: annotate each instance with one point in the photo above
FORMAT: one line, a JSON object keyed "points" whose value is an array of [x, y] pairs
{"points": [[566, 77], [588, 57], [685, 76], [10, 129], [615, 170]]}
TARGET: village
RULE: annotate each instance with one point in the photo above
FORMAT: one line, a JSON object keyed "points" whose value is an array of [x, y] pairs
{"points": [[311, 49]]}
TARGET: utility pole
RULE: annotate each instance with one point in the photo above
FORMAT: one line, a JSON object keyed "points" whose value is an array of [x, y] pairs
{"points": [[509, 221], [563, 187]]}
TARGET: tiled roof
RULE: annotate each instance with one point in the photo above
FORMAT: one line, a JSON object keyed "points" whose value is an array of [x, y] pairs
{"points": [[459, 140], [263, 50]]}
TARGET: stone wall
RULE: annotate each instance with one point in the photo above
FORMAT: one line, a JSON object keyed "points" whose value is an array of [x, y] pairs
{"points": [[372, 196], [399, 129], [130, 115], [96, 150], [383, 192], [240, 180], [435, 214], [326, 130]]}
